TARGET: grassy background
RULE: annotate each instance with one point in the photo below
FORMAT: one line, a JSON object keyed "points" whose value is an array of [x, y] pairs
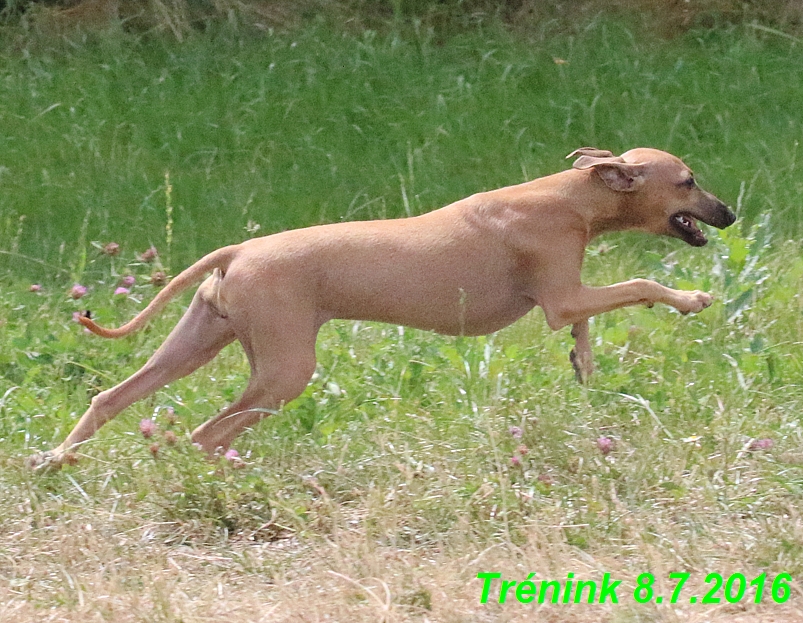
{"points": [[384, 489], [315, 126]]}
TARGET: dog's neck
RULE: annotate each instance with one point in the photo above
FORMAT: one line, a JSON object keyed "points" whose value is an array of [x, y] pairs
{"points": [[612, 221], [605, 210]]}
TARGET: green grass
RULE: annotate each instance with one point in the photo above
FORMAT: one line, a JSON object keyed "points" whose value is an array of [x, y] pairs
{"points": [[313, 126], [394, 468]]}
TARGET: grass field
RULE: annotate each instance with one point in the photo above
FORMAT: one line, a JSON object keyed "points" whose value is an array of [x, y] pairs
{"points": [[412, 462]]}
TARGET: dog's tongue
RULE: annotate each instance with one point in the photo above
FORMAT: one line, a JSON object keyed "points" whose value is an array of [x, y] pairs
{"points": [[689, 224]]}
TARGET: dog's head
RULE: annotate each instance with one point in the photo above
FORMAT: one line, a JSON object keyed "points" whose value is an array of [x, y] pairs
{"points": [[665, 197]]}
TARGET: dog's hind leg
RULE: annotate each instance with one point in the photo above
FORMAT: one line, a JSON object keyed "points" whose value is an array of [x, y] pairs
{"points": [[200, 334], [280, 346]]}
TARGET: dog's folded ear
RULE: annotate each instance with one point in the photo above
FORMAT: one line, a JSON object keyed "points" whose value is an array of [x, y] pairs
{"points": [[617, 174], [590, 151]]}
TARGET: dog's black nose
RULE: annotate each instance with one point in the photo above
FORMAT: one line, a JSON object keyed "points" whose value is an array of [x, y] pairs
{"points": [[728, 217], [720, 215]]}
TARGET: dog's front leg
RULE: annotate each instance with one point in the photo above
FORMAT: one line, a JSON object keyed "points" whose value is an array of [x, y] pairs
{"points": [[581, 356], [575, 305]]}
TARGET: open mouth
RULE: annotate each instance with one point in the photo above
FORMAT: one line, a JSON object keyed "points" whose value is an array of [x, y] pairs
{"points": [[686, 226]]}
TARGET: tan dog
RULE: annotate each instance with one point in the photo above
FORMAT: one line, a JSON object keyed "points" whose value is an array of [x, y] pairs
{"points": [[470, 268]]}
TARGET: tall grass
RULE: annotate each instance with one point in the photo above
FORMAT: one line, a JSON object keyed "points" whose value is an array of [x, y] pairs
{"points": [[314, 126]]}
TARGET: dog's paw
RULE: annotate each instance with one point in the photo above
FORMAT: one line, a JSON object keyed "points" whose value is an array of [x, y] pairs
{"points": [[583, 366], [43, 462], [694, 302]]}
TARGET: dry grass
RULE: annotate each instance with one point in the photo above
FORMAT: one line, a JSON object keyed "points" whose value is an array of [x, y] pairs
{"points": [[180, 17], [175, 18], [93, 565]]}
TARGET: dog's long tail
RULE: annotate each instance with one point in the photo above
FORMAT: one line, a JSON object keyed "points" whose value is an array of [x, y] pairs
{"points": [[217, 259]]}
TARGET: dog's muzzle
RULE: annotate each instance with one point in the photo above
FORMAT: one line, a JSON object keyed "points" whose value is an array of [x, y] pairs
{"points": [[710, 211], [717, 214]]}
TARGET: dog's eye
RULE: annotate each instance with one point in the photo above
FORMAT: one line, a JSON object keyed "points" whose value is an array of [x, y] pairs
{"points": [[689, 182]]}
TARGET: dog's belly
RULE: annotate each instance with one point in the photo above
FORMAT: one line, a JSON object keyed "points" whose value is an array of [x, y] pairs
{"points": [[455, 311], [488, 320]]}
